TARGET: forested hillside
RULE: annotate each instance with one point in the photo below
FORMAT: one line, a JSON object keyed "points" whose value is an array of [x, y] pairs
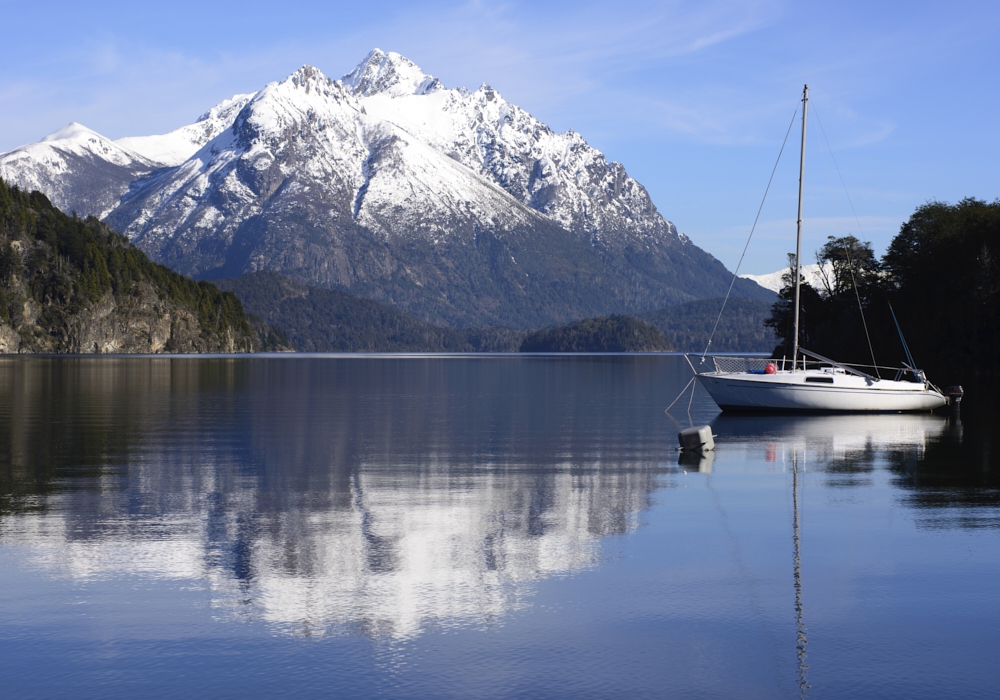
{"points": [[324, 320], [327, 320], [71, 285], [741, 328]]}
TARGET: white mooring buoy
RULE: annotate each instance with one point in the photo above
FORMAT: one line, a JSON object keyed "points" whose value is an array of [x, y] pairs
{"points": [[697, 439]]}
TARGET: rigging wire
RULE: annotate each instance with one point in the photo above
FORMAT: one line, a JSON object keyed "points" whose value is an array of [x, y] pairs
{"points": [[906, 348], [850, 262], [752, 228]]}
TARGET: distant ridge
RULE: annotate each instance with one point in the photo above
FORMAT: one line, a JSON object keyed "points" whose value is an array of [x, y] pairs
{"points": [[605, 334], [77, 169], [741, 328], [324, 320]]}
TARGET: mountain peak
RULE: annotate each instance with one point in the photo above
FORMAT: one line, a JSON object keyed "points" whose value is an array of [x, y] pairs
{"points": [[175, 147], [74, 131], [309, 77], [235, 102], [389, 74], [77, 168], [457, 205]]}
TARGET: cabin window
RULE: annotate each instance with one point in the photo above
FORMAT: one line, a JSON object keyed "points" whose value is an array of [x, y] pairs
{"points": [[820, 380]]}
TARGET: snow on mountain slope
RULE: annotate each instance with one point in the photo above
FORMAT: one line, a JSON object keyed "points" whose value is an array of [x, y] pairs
{"points": [[772, 280], [437, 197], [390, 74], [559, 175], [77, 168], [175, 147], [83, 171], [79, 140], [393, 183], [451, 204]]}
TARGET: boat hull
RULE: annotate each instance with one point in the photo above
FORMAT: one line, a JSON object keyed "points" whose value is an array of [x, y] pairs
{"points": [[791, 392]]}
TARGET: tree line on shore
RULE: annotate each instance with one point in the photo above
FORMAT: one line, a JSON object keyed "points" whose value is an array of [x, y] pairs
{"points": [[939, 278]]}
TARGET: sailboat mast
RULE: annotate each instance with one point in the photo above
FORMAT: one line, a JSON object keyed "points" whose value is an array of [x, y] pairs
{"points": [[798, 225]]}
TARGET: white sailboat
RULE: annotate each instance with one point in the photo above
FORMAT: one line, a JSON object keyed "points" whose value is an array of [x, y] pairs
{"points": [[823, 385]]}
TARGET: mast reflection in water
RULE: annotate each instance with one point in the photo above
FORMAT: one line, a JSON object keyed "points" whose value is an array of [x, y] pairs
{"points": [[800, 626]]}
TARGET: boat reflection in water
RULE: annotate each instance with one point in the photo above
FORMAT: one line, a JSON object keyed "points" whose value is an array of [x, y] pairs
{"points": [[946, 469], [832, 439]]}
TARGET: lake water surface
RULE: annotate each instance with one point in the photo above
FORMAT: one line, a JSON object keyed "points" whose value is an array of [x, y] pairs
{"points": [[479, 526]]}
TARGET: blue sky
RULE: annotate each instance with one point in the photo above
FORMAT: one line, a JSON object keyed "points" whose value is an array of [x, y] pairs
{"points": [[693, 97]]}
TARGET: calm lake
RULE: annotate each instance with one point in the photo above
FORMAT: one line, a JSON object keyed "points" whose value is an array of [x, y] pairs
{"points": [[480, 526]]}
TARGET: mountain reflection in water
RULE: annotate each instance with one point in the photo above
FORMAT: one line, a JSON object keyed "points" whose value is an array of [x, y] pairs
{"points": [[371, 495], [479, 527]]}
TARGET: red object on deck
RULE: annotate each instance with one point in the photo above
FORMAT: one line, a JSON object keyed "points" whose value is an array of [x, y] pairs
{"points": [[770, 368]]}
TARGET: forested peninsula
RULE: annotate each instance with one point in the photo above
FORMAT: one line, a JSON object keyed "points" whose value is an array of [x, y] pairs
{"points": [[941, 277], [71, 285], [604, 334]]}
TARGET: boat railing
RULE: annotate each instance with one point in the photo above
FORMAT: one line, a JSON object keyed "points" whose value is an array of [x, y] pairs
{"points": [[727, 364]]}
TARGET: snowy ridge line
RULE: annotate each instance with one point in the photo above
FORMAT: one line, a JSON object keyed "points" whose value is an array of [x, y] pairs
{"points": [[77, 168], [812, 274], [177, 146]]}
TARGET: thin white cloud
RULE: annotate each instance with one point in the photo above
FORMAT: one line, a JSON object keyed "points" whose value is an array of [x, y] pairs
{"points": [[518, 47]]}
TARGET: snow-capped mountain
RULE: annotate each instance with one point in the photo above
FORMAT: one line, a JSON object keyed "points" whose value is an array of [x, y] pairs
{"points": [[811, 273], [558, 175], [78, 169], [453, 204]]}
